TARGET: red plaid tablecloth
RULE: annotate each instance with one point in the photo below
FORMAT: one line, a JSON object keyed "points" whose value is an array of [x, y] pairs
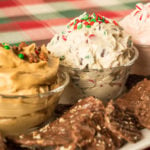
{"points": [[39, 20]]}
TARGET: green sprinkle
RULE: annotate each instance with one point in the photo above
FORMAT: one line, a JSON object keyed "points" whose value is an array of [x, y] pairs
{"points": [[93, 20], [105, 32], [3, 43], [99, 18], [62, 58], [94, 15], [75, 21], [6, 47], [21, 56], [17, 44], [103, 20], [88, 26], [85, 17], [63, 31], [87, 57], [129, 43], [68, 26], [79, 26]]}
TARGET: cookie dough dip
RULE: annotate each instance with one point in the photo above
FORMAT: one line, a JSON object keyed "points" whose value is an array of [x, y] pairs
{"points": [[30, 87], [137, 24], [97, 53]]}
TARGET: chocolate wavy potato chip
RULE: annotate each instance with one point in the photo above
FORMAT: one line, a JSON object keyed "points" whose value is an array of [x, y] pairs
{"points": [[83, 126], [121, 123], [137, 100]]}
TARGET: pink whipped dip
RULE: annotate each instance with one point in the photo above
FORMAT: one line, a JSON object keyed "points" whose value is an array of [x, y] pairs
{"points": [[137, 24]]}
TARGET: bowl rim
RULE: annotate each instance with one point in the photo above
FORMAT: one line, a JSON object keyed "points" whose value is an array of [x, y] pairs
{"points": [[142, 45], [130, 63], [41, 95]]}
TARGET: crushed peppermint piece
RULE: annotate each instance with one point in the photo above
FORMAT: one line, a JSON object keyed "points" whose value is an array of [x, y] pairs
{"points": [[141, 17], [64, 38]]}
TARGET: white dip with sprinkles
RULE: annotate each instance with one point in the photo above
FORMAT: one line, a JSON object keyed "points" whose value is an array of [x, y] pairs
{"points": [[94, 42], [97, 53]]}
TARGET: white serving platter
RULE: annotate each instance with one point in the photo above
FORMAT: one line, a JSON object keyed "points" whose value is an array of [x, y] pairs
{"points": [[141, 145]]}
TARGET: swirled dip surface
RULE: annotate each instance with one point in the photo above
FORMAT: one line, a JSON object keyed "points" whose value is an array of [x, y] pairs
{"points": [[26, 70], [30, 75], [94, 42], [137, 24]]}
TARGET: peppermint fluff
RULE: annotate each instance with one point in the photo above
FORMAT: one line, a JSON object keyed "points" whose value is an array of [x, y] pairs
{"points": [[93, 42], [137, 24]]}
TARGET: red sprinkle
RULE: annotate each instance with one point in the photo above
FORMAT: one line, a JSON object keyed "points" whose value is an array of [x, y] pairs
{"points": [[64, 38], [99, 22], [77, 20], [91, 35], [115, 22], [86, 23], [75, 26], [71, 24], [37, 52], [91, 23], [100, 17], [91, 81], [96, 18], [24, 54], [106, 21]]}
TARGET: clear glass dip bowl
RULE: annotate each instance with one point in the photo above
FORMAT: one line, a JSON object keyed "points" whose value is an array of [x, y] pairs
{"points": [[142, 65], [23, 113], [104, 84]]}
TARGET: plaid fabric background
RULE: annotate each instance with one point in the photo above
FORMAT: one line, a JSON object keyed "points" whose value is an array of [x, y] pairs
{"points": [[39, 20]]}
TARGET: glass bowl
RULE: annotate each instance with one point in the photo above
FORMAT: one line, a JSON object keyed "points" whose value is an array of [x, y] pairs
{"points": [[142, 65], [104, 84], [22, 113]]}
